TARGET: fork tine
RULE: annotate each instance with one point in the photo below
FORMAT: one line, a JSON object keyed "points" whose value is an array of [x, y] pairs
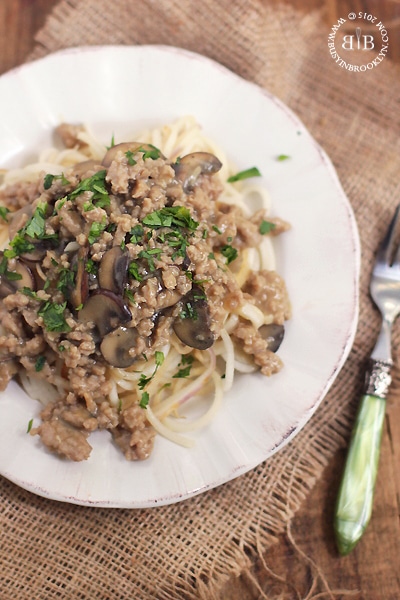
{"points": [[386, 249]]}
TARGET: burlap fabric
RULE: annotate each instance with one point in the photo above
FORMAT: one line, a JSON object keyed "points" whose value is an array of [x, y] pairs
{"points": [[51, 550]]}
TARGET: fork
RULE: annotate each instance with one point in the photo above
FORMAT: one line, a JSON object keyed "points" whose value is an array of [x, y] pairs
{"points": [[356, 491]]}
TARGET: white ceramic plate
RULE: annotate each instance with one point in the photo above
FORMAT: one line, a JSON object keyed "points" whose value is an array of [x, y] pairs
{"points": [[123, 89]]}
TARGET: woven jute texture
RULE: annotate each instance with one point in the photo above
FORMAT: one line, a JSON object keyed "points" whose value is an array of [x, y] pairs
{"points": [[52, 550]]}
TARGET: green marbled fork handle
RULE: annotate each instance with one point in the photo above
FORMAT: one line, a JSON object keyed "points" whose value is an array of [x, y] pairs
{"points": [[356, 492]]}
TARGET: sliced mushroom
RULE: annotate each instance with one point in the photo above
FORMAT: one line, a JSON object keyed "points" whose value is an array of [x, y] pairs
{"points": [[9, 284], [124, 147], [27, 279], [79, 293], [192, 326], [273, 334], [191, 166], [81, 169], [106, 310], [113, 270], [115, 346], [38, 252]]}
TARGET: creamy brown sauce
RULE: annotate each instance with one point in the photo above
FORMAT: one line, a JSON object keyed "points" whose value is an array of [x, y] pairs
{"points": [[112, 261]]}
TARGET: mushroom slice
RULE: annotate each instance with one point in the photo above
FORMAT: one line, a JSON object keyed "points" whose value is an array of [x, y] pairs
{"points": [[115, 346], [106, 310], [124, 147], [79, 293], [27, 279], [191, 166], [81, 169], [192, 326], [37, 253], [273, 334], [113, 270], [11, 281]]}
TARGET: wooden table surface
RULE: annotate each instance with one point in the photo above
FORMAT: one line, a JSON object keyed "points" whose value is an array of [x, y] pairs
{"points": [[372, 570]]}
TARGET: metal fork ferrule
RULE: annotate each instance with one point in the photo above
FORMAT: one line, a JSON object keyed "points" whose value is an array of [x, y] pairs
{"points": [[378, 378]]}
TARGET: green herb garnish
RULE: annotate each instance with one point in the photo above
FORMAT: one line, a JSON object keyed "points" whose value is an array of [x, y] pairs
{"points": [[151, 152], [282, 157], [246, 174], [96, 229], [149, 256], [144, 380], [266, 227], [10, 275], [144, 400], [133, 271], [129, 156], [94, 184], [112, 143], [39, 364], [171, 216], [91, 266], [186, 364], [229, 252], [66, 280], [136, 234], [53, 316], [4, 212], [49, 178]]}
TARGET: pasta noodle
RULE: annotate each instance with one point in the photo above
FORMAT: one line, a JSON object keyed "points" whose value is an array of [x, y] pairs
{"points": [[219, 268]]}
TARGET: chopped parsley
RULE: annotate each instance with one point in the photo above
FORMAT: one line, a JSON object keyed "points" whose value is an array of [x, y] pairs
{"points": [[175, 239], [229, 252], [129, 294], [189, 312], [171, 216], [53, 316], [149, 256], [66, 280], [52, 313], [112, 143], [266, 227], [96, 229], [19, 245], [150, 152], [39, 364], [4, 212], [129, 156], [91, 266], [35, 228], [29, 426], [246, 174], [282, 157], [49, 178], [10, 275], [144, 401], [144, 380], [136, 234], [95, 184], [133, 271], [186, 366], [215, 228]]}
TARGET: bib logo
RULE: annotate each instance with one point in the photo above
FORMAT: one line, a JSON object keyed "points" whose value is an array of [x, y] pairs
{"points": [[360, 50]]}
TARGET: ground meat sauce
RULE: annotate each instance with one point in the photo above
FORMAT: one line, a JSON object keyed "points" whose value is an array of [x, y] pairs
{"points": [[105, 263]]}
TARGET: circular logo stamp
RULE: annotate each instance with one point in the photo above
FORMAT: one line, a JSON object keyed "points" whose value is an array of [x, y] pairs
{"points": [[359, 46]]}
